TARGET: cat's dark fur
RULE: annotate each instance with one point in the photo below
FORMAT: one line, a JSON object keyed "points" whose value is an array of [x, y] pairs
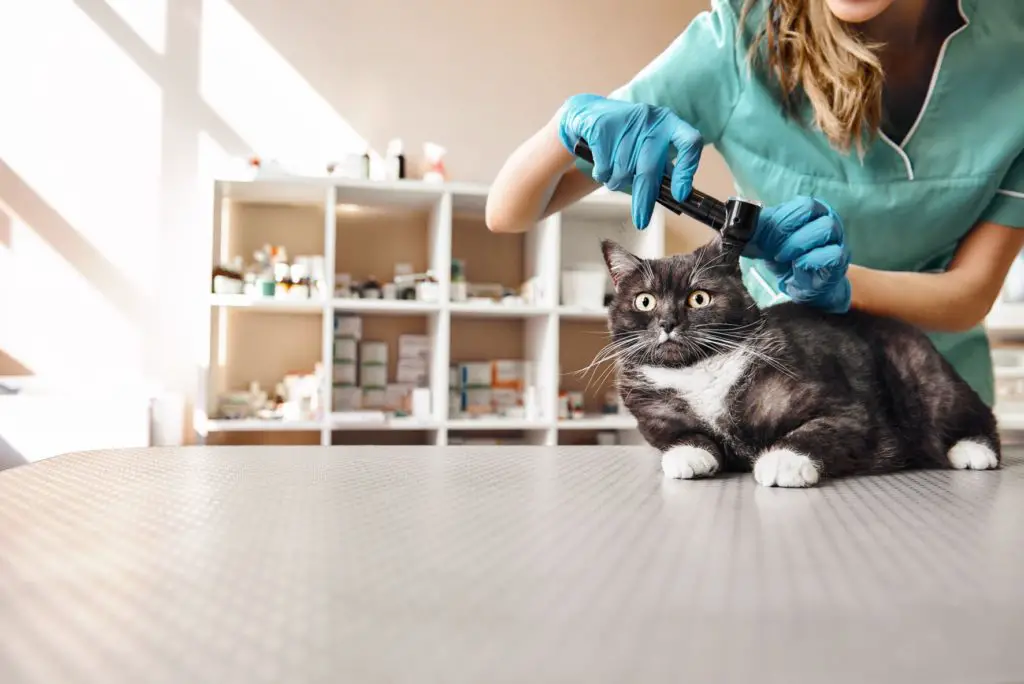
{"points": [[811, 394]]}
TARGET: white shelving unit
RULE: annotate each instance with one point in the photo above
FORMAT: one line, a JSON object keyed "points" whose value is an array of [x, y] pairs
{"points": [[437, 222]]}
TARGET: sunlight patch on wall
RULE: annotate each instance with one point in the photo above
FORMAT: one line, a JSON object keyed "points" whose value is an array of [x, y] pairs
{"points": [[148, 18], [56, 323], [81, 125], [259, 94]]}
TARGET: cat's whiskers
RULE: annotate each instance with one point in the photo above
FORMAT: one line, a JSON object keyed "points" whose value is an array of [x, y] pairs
{"points": [[747, 345]]}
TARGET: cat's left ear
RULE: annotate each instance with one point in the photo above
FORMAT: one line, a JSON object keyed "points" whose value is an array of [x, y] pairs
{"points": [[621, 262]]}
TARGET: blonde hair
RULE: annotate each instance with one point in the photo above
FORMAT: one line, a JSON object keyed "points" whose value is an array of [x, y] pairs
{"points": [[812, 53]]}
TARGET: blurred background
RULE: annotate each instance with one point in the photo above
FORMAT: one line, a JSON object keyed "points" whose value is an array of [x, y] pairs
{"points": [[118, 118]]}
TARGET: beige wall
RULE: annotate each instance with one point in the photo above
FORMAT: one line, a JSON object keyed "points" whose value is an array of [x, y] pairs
{"points": [[116, 114]]}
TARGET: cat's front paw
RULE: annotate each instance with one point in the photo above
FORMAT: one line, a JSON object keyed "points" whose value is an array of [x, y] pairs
{"points": [[785, 468], [969, 454], [686, 462]]}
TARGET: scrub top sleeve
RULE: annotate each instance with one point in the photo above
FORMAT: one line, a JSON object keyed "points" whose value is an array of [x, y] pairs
{"points": [[697, 76], [1007, 207]]}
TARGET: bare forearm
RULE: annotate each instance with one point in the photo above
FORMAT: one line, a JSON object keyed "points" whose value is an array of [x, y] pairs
{"points": [[936, 302], [538, 179]]}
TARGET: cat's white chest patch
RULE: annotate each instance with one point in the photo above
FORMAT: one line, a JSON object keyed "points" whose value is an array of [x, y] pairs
{"points": [[704, 386]]}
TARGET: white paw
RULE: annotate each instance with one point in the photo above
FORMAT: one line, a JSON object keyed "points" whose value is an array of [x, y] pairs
{"points": [[687, 462], [968, 454], [785, 468]]}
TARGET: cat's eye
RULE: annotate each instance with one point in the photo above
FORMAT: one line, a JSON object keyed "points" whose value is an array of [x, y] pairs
{"points": [[644, 301], [698, 299]]}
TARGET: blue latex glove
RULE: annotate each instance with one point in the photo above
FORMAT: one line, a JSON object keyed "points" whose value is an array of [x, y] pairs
{"points": [[802, 242], [631, 144]]}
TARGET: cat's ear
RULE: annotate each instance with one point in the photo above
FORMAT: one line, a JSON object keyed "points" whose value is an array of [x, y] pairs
{"points": [[620, 261]]}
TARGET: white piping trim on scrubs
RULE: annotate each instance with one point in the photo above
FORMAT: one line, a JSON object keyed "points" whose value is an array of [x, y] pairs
{"points": [[900, 149], [776, 296], [1010, 193]]}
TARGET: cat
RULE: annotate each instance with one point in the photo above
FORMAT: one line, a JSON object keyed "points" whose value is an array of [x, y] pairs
{"points": [[789, 392]]}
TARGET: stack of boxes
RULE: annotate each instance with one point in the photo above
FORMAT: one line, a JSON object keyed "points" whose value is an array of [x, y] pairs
{"points": [[488, 388], [361, 369]]}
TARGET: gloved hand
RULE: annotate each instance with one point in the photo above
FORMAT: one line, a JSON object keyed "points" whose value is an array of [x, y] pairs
{"points": [[630, 143], [802, 242]]}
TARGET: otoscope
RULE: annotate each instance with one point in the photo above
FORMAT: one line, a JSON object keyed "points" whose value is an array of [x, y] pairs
{"points": [[735, 219]]}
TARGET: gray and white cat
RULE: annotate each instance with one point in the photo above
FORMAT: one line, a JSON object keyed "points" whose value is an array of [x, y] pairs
{"points": [[790, 392]]}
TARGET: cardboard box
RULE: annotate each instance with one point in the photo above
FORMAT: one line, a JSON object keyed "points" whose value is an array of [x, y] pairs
{"points": [[372, 352], [345, 350], [414, 347], [347, 398], [504, 399], [412, 372], [348, 326], [475, 374], [507, 374], [476, 401], [373, 375], [374, 398], [344, 373]]}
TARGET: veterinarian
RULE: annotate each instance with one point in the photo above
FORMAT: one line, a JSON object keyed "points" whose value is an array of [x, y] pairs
{"points": [[885, 138]]}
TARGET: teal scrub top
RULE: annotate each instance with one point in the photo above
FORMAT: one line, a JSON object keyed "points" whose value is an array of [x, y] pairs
{"points": [[907, 204]]}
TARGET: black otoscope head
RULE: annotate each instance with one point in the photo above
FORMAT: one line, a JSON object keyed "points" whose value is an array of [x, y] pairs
{"points": [[735, 220]]}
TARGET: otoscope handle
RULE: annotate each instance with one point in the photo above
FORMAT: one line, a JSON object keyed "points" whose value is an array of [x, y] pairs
{"points": [[736, 219]]}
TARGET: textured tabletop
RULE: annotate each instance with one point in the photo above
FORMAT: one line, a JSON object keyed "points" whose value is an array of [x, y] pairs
{"points": [[499, 564]]}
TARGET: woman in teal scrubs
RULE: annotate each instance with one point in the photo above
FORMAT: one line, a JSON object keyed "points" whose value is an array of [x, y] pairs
{"points": [[885, 137]]}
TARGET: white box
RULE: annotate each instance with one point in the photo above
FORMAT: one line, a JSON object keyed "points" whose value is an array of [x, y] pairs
{"points": [[414, 347], [476, 374], [375, 398], [503, 399], [347, 398], [373, 353], [373, 375], [507, 374], [476, 401], [413, 372], [348, 326], [345, 349], [344, 373]]}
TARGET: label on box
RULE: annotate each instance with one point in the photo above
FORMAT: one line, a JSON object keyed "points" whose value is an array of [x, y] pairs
{"points": [[348, 326], [344, 373], [347, 399], [372, 375], [413, 347], [412, 372], [345, 349], [477, 401], [507, 374], [475, 375], [502, 398], [373, 353]]}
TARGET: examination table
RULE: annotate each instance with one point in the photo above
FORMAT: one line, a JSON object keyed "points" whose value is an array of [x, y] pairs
{"points": [[499, 564]]}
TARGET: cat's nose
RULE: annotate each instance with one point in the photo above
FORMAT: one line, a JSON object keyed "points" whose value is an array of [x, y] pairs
{"points": [[668, 325]]}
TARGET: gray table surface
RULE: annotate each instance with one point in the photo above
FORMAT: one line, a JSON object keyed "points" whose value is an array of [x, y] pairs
{"points": [[499, 564]]}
